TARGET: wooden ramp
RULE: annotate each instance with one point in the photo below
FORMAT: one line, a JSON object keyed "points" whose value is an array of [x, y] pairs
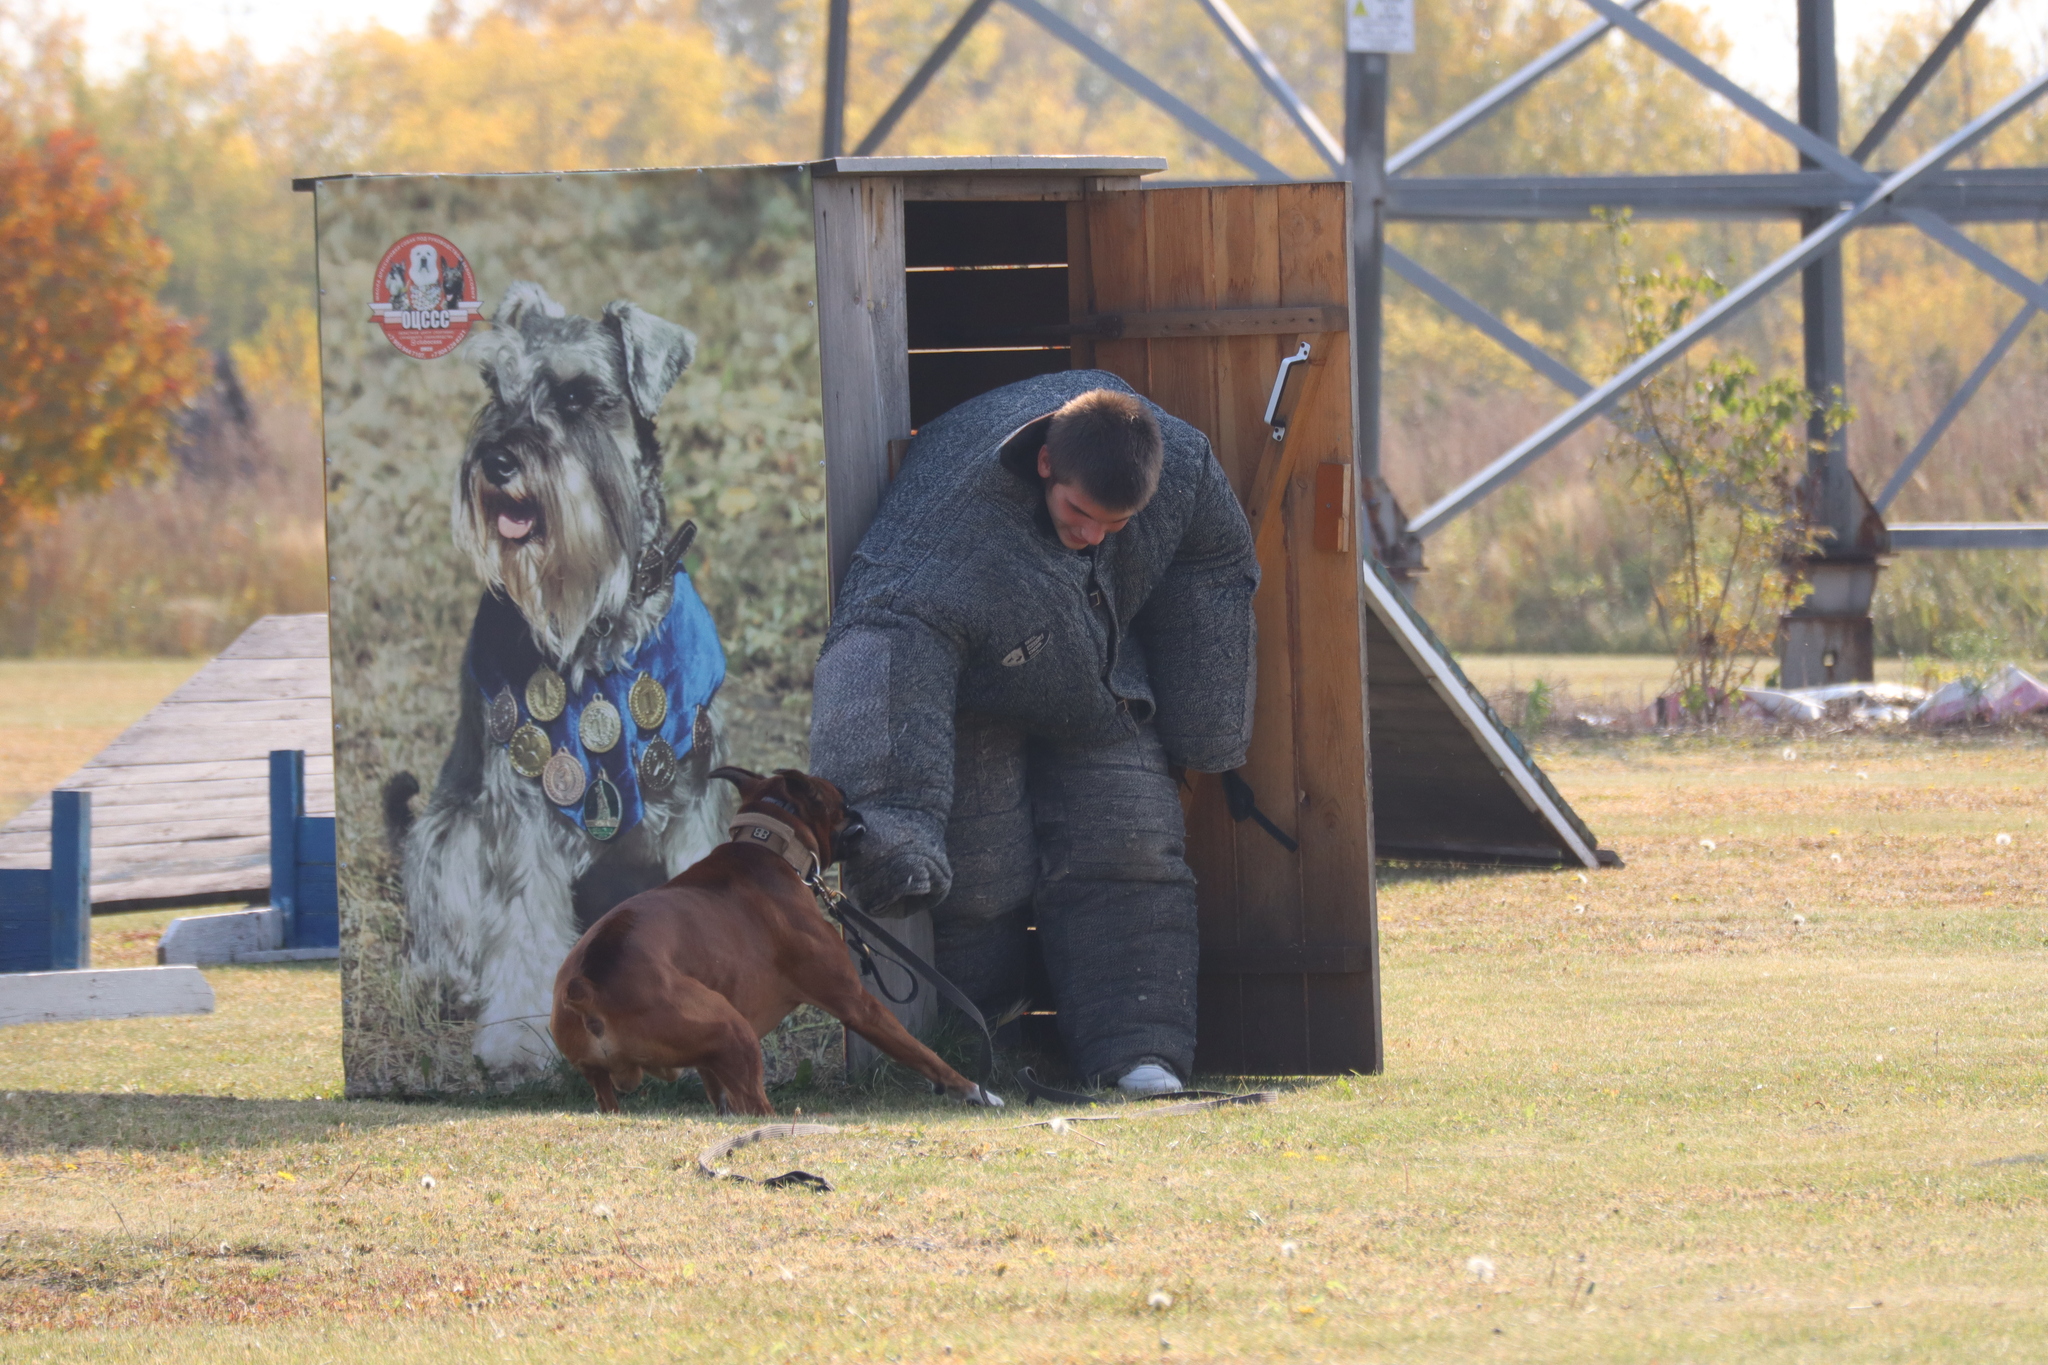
{"points": [[180, 802], [1450, 781]]}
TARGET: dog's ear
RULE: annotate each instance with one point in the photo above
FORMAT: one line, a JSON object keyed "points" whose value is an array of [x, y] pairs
{"points": [[808, 788], [523, 297], [748, 782], [657, 352]]}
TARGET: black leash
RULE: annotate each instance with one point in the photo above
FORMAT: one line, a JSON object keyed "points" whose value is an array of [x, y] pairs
{"points": [[860, 946], [859, 928]]}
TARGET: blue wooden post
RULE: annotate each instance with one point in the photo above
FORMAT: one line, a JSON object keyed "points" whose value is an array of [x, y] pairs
{"points": [[70, 880], [287, 804]]}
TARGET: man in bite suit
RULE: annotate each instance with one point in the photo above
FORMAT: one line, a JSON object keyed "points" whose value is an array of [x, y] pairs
{"points": [[1049, 618]]}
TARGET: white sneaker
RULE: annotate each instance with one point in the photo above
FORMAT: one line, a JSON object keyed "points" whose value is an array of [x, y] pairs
{"points": [[1148, 1078]]}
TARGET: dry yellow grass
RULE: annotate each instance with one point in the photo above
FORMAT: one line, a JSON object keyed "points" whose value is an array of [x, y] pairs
{"points": [[57, 713], [1777, 1099]]}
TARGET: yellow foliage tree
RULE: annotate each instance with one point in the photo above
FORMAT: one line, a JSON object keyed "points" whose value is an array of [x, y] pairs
{"points": [[93, 368]]}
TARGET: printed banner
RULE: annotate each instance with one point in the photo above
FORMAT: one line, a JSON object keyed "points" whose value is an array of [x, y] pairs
{"points": [[575, 505]]}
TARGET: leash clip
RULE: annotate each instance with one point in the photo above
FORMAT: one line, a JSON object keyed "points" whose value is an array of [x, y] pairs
{"points": [[831, 901]]}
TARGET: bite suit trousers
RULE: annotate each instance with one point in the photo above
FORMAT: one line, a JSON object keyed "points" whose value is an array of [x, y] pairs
{"points": [[1087, 843]]}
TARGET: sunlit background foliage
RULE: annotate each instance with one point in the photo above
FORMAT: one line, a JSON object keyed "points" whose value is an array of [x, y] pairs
{"points": [[210, 140]]}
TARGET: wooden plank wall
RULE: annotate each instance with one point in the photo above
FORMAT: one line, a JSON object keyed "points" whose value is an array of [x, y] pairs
{"points": [[863, 349], [181, 805], [1261, 906]]}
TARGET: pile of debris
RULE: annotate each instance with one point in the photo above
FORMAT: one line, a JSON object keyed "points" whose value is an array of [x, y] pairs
{"points": [[2011, 693], [2007, 696]]}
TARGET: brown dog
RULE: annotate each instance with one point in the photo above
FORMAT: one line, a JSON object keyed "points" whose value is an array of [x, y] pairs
{"points": [[695, 973]]}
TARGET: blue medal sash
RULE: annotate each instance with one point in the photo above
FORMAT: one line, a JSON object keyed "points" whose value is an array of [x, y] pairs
{"points": [[682, 654]]}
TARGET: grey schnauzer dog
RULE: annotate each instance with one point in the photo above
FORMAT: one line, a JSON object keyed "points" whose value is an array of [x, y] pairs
{"points": [[578, 775]]}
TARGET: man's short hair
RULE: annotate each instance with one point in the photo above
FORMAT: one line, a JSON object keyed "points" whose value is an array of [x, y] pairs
{"points": [[1109, 444]]}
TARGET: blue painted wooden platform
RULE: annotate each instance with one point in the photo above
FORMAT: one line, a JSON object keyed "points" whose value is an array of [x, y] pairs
{"points": [[180, 802]]}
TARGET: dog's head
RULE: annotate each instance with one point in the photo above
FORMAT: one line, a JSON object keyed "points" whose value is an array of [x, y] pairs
{"points": [[426, 265], [560, 487], [806, 803]]}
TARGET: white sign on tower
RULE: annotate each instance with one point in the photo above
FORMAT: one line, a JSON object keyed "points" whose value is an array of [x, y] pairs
{"points": [[1379, 25]]}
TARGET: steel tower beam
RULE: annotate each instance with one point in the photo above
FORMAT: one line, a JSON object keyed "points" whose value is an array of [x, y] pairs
{"points": [[1196, 122], [1831, 489], [1728, 307], [1253, 56], [1809, 142], [1365, 150], [1505, 93], [1917, 82], [838, 31], [1955, 405], [1514, 343], [922, 77], [1832, 195]]}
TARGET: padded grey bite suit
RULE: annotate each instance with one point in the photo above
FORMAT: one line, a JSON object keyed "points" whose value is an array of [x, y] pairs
{"points": [[1004, 711]]}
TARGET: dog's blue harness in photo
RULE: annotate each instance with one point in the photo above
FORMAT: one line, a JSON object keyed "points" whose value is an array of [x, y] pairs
{"points": [[682, 655]]}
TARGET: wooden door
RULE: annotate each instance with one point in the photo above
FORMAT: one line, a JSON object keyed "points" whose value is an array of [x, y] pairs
{"points": [[1210, 289]]}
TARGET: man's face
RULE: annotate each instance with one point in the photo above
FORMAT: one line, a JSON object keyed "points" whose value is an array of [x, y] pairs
{"points": [[1079, 520]]}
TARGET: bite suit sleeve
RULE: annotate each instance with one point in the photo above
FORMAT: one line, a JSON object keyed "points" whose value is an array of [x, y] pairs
{"points": [[882, 732], [1199, 634]]}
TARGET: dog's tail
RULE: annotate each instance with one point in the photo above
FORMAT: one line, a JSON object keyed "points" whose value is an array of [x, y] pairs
{"points": [[398, 794]]}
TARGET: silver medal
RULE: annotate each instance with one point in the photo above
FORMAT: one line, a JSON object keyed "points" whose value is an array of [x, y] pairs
{"points": [[501, 715], [600, 727], [657, 767]]}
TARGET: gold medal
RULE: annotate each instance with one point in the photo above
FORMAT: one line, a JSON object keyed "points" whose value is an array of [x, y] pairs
{"points": [[546, 694], [528, 750], [657, 767], [648, 702], [602, 808], [600, 726], [563, 779], [501, 716]]}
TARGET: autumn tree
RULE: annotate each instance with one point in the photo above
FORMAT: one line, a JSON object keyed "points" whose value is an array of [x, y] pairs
{"points": [[93, 369]]}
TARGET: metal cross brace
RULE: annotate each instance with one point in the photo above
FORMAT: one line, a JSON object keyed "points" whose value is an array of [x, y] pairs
{"points": [[1961, 399], [1196, 122], [1312, 128], [1818, 148], [1731, 305], [1148, 89], [1877, 205], [922, 77], [1986, 260], [1513, 342], [1505, 93], [1917, 82]]}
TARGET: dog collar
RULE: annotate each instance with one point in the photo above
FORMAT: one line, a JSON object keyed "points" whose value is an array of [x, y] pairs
{"points": [[763, 831]]}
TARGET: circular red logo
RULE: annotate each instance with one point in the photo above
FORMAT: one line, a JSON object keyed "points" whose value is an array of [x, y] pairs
{"points": [[424, 295]]}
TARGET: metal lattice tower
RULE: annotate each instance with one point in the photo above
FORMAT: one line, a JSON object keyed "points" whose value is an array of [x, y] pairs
{"points": [[1833, 193]]}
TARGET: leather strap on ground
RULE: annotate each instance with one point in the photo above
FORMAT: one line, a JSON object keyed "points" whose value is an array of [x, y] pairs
{"points": [[708, 1159]]}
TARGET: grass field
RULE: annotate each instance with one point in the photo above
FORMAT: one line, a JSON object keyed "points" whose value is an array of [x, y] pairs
{"points": [[57, 713], [1773, 1092]]}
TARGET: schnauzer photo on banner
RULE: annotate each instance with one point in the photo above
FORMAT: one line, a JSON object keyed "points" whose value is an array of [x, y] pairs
{"points": [[575, 526]]}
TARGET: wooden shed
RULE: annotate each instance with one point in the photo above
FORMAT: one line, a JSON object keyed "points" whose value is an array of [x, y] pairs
{"points": [[941, 279]]}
